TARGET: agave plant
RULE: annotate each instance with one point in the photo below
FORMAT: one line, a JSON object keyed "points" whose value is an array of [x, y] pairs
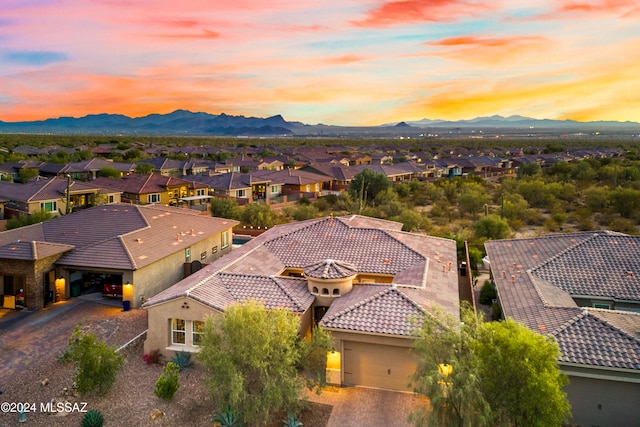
{"points": [[291, 421], [92, 418], [182, 359], [227, 417]]}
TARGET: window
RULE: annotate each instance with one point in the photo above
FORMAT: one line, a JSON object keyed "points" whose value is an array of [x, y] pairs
{"points": [[601, 305], [214, 249], [110, 199], [325, 291], [317, 187], [197, 332], [49, 206], [203, 255], [225, 239], [241, 193], [187, 255], [336, 291], [178, 331], [315, 289], [200, 192], [154, 198], [308, 188], [274, 189]]}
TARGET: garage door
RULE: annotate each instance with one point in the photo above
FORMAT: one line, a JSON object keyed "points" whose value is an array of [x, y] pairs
{"points": [[381, 366]]}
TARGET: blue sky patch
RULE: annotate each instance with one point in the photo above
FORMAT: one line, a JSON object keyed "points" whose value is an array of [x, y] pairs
{"points": [[35, 58]]}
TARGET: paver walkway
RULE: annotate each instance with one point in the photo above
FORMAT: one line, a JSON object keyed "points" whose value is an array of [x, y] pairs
{"points": [[367, 407]]}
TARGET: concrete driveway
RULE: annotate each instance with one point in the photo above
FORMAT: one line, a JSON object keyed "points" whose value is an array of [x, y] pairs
{"points": [[360, 406]]}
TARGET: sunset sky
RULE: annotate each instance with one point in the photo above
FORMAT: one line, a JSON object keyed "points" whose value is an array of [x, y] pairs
{"points": [[347, 62]]}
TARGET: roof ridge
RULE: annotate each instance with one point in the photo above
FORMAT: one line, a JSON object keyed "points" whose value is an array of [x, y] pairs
{"points": [[565, 251], [47, 182], [589, 309], [286, 292], [570, 322], [534, 281], [127, 251], [387, 290]]}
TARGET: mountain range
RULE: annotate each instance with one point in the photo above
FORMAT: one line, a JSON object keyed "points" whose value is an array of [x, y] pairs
{"points": [[187, 123]]}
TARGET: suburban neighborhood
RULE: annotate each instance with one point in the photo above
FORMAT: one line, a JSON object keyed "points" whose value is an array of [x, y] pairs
{"points": [[145, 239]]}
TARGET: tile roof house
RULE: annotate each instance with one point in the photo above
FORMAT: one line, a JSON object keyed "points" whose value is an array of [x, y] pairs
{"points": [[583, 289], [361, 278], [150, 247], [49, 194], [245, 187], [154, 188]]}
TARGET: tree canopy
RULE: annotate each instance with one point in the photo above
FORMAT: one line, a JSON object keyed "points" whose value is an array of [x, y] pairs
{"points": [[255, 357], [367, 184], [487, 374]]}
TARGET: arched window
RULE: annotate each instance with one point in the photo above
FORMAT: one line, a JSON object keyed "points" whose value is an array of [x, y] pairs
{"points": [[315, 289], [336, 291], [325, 291]]}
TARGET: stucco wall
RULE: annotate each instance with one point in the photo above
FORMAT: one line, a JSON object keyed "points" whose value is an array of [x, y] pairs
{"points": [[154, 278], [158, 318], [604, 403]]}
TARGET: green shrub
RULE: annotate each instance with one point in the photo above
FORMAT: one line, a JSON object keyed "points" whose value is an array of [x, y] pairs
{"points": [[92, 418], [96, 363], [487, 293], [496, 311], [168, 382]]}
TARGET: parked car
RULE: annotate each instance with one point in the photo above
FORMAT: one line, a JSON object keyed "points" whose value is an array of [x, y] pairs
{"points": [[112, 290]]}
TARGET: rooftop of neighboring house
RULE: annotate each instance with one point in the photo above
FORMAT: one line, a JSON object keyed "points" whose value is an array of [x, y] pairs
{"points": [[422, 271], [43, 189], [145, 184], [540, 279], [113, 236], [290, 176]]}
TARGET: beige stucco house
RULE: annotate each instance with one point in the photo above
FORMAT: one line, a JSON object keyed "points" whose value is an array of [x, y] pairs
{"points": [[141, 250], [582, 289], [363, 279]]}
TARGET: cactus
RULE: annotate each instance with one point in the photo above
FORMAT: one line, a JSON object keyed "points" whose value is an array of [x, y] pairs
{"points": [[93, 418]]}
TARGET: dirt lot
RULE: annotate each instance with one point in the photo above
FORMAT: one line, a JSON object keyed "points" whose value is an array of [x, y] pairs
{"points": [[31, 374]]}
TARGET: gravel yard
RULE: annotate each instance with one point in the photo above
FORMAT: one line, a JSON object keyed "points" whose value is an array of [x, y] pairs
{"points": [[31, 374]]}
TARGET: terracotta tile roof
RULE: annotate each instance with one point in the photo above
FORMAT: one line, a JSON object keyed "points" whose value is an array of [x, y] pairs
{"points": [[603, 265], [144, 184], [159, 231], [370, 250], [330, 269], [119, 235], [43, 189], [251, 272], [273, 292], [589, 340], [387, 311], [31, 250], [536, 277]]}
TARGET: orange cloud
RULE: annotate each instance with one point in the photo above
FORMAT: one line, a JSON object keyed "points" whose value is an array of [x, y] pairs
{"points": [[410, 11], [490, 51], [614, 6]]}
